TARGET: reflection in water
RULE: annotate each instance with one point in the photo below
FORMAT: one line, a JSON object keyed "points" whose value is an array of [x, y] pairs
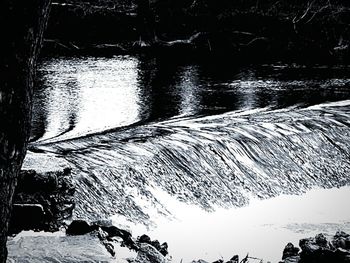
{"points": [[189, 91], [79, 96], [83, 95], [158, 78]]}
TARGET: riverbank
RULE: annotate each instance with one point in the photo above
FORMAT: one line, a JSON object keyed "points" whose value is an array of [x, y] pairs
{"points": [[245, 30], [103, 242], [44, 195]]}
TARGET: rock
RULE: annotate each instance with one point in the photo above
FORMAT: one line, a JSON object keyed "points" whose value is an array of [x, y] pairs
{"points": [[52, 189], [341, 255], [29, 181], [114, 231], [103, 223], [149, 254], [109, 247], [144, 239], [234, 259], [219, 261], [108, 232], [308, 245], [156, 244], [49, 248], [322, 241], [199, 261], [164, 249], [320, 250], [27, 217], [289, 251], [341, 240], [102, 235], [293, 259], [78, 227]]}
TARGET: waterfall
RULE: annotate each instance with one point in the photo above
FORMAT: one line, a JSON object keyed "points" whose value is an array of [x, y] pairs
{"points": [[219, 160]]}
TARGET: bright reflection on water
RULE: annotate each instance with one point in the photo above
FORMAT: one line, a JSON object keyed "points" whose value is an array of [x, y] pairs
{"points": [[84, 95], [261, 229], [79, 96]]}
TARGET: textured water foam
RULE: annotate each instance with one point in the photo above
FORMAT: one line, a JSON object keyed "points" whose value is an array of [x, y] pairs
{"points": [[221, 160]]}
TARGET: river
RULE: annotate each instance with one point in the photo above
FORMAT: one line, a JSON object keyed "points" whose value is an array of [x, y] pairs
{"points": [[214, 158]]}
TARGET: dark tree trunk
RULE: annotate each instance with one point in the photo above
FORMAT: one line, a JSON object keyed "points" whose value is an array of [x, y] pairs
{"points": [[22, 23], [145, 21]]}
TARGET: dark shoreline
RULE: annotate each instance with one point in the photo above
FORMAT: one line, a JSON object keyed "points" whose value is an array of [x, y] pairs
{"points": [[273, 31]]}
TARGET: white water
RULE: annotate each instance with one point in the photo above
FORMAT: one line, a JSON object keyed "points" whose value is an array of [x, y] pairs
{"points": [[208, 150], [262, 228]]}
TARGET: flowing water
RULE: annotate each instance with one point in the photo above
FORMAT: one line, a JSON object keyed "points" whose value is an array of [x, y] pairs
{"points": [[177, 147]]}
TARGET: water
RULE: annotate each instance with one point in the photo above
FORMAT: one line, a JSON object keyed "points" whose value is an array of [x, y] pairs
{"points": [[78, 96], [261, 229], [153, 141], [38, 247]]}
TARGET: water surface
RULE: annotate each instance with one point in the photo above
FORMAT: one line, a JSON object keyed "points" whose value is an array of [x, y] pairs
{"points": [[188, 150], [84, 95]]}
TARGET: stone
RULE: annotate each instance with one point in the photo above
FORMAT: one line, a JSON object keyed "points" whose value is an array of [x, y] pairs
{"points": [[342, 255], [164, 249], [234, 259], [322, 241], [26, 217], [341, 240], [103, 223], [319, 249], [49, 248], [293, 259], [115, 231], [144, 239], [308, 245], [109, 247], [102, 235], [289, 251], [156, 244], [29, 181], [149, 254], [78, 227], [51, 188]]}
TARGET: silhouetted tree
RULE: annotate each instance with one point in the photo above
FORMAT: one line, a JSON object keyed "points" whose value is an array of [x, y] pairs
{"points": [[23, 24], [145, 21]]}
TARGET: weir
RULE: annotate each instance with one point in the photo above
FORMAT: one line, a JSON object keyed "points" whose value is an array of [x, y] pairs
{"points": [[220, 160]]}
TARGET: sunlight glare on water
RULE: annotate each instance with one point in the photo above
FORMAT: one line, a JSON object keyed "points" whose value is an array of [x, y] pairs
{"points": [[89, 95]]}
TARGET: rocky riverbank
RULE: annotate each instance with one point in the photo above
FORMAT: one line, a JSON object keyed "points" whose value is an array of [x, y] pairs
{"points": [[101, 240], [42, 201], [320, 249], [44, 197]]}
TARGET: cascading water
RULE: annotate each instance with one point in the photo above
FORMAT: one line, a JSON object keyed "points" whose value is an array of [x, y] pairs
{"points": [[221, 160], [190, 135]]}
